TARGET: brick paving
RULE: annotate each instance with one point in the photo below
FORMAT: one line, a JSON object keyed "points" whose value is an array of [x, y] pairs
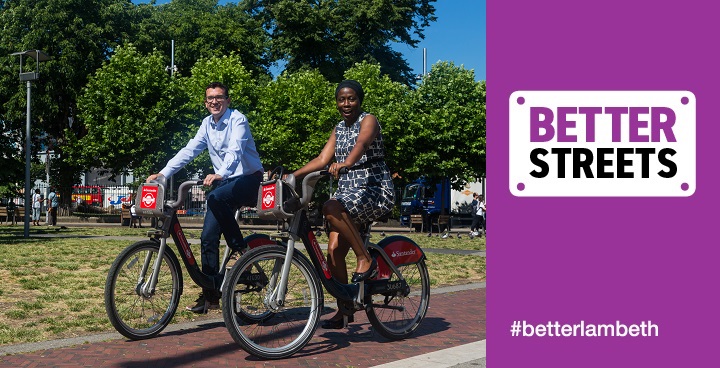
{"points": [[454, 318]]}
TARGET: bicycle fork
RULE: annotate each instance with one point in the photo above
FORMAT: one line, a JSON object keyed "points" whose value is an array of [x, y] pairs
{"points": [[278, 287], [146, 288]]}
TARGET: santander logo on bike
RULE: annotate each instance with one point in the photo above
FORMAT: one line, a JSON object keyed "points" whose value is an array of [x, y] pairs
{"points": [[399, 253], [148, 198], [268, 197]]}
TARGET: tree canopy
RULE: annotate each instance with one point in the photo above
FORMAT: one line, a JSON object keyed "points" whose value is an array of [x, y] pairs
{"points": [[78, 35], [202, 29], [107, 100], [331, 35], [125, 107], [449, 113]]}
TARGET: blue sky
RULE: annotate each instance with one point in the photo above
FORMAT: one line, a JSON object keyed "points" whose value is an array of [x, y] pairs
{"points": [[458, 35]]}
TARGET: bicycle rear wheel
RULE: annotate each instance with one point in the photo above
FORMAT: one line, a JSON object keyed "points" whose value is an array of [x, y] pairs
{"points": [[137, 315], [261, 328], [396, 314]]}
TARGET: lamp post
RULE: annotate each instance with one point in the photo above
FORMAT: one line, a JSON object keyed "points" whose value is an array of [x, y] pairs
{"points": [[29, 77], [172, 69]]}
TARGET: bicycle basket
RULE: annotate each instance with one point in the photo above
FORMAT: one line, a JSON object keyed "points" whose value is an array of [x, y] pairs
{"points": [[276, 200], [150, 199]]}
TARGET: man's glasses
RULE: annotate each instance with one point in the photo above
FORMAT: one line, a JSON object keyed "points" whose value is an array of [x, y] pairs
{"points": [[219, 98]]}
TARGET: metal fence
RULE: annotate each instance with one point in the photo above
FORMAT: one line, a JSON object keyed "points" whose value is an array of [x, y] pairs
{"points": [[112, 199]]}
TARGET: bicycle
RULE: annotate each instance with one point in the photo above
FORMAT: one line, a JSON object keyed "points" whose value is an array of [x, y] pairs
{"points": [[284, 286], [145, 282]]}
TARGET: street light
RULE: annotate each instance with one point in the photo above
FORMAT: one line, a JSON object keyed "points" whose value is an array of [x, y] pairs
{"points": [[172, 69], [29, 77]]}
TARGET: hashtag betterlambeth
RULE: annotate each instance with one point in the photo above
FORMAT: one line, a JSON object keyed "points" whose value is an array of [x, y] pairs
{"points": [[582, 329]]}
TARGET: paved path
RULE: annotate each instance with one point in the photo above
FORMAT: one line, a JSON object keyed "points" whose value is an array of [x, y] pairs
{"points": [[452, 333]]}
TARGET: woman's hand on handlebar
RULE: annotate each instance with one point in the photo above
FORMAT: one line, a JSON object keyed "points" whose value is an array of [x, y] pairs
{"points": [[336, 169], [211, 178]]}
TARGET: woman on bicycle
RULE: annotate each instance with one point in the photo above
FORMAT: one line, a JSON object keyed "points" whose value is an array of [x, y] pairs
{"points": [[364, 194]]}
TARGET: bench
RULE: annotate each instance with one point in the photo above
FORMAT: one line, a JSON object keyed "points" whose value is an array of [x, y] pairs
{"points": [[125, 216], [20, 214], [442, 222], [417, 220]]}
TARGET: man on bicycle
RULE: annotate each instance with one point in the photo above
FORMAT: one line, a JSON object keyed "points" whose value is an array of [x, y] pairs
{"points": [[225, 133]]}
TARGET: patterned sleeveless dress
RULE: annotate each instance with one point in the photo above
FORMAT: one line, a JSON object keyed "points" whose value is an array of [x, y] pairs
{"points": [[367, 193]]}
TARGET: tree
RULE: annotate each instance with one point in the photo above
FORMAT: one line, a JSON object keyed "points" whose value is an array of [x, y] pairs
{"points": [[12, 168], [145, 116], [78, 35], [447, 124], [332, 35], [203, 29], [294, 118], [125, 109]]}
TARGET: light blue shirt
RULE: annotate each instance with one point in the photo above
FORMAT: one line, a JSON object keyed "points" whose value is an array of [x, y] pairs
{"points": [[52, 198], [229, 142]]}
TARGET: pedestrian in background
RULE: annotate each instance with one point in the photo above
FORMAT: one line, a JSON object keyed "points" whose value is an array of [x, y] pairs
{"points": [[482, 210], [52, 203], [36, 204], [135, 219], [11, 211], [478, 214]]}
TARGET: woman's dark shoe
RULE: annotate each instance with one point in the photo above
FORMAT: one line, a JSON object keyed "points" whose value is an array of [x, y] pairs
{"points": [[370, 273], [336, 324]]}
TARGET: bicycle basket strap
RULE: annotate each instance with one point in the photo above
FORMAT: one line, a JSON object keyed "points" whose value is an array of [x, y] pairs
{"points": [[272, 195], [150, 199]]}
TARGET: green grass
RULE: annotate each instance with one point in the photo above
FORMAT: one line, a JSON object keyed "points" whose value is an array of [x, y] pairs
{"points": [[53, 287]]}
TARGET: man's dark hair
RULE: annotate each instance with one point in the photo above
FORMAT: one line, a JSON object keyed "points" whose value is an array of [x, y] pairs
{"points": [[218, 85]]}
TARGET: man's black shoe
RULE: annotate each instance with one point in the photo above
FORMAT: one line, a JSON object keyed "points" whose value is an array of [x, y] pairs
{"points": [[336, 324], [203, 304]]}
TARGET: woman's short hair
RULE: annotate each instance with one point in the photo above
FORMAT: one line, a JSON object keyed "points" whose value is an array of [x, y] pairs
{"points": [[354, 85]]}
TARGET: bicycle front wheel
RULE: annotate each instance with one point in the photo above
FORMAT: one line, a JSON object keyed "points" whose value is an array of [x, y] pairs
{"points": [[280, 328], [135, 312], [396, 314]]}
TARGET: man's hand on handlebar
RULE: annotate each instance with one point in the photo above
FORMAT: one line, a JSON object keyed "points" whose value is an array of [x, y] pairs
{"points": [[211, 178], [154, 177]]}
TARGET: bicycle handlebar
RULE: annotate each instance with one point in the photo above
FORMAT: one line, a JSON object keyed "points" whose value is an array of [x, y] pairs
{"points": [[309, 181], [182, 193], [308, 186]]}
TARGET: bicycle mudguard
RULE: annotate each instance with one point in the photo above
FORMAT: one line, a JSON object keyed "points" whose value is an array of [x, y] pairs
{"points": [[256, 240], [401, 250]]}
